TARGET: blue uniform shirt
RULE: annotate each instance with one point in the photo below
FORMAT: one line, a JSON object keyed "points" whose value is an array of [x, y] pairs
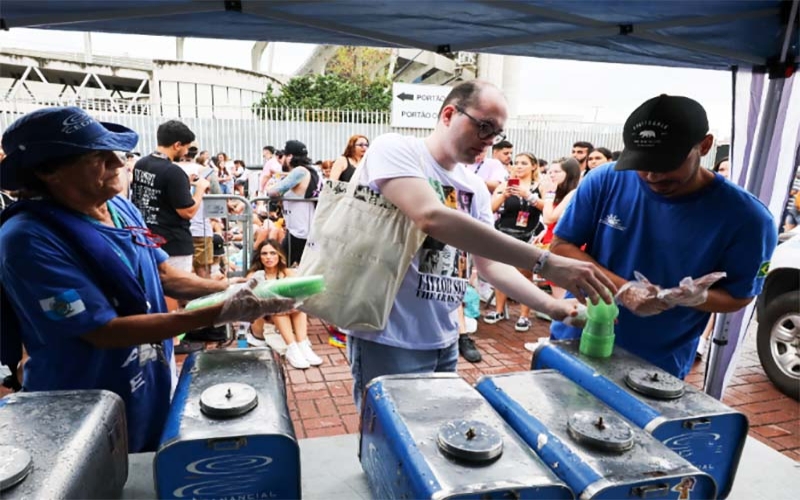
{"points": [[627, 227], [57, 304]]}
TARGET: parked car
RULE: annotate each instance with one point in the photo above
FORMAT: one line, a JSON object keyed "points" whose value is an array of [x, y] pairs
{"points": [[778, 307]]}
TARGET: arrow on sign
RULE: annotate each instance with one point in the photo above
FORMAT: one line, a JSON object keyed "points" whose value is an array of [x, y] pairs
{"points": [[405, 97]]}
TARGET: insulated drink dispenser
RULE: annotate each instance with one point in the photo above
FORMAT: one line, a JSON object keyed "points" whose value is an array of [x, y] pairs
{"points": [[597, 452], [63, 444], [228, 433], [701, 429], [433, 436]]}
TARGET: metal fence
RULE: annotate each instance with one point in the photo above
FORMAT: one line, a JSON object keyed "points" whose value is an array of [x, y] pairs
{"points": [[325, 132]]}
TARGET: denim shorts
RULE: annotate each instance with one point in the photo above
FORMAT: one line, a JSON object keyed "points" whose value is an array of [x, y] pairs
{"points": [[370, 359]]}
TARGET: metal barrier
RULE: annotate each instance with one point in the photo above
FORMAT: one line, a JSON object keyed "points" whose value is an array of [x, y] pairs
{"points": [[281, 199], [211, 210]]}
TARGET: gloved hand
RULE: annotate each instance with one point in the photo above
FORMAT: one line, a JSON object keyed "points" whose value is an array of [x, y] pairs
{"points": [[641, 297], [241, 304], [690, 292]]}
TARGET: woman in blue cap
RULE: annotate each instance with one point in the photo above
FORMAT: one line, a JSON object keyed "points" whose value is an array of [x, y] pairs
{"points": [[83, 280]]}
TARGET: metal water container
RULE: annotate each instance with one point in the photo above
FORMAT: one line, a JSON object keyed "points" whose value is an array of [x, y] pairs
{"points": [[597, 452], [63, 444], [698, 427], [433, 436], [228, 432]]}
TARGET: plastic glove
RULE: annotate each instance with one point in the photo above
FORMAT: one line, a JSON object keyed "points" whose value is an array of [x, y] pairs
{"points": [[641, 297], [241, 304], [690, 292]]}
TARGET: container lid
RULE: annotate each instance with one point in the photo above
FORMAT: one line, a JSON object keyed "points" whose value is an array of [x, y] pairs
{"points": [[470, 440], [228, 400], [15, 465], [600, 430], [655, 383]]}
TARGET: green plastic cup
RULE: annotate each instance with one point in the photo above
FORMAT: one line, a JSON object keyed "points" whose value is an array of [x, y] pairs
{"points": [[298, 287], [597, 338]]}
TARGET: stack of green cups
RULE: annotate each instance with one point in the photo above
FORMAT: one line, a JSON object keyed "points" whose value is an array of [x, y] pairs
{"points": [[297, 287], [597, 339]]}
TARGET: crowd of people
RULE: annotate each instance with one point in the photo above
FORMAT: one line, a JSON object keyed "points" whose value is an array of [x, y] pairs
{"points": [[105, 245]]}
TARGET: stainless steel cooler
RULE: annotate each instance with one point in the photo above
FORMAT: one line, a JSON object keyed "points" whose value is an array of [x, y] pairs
{"points": [[702, 430], [433, 436], [597, 452], [228, 432], [63, 444]]}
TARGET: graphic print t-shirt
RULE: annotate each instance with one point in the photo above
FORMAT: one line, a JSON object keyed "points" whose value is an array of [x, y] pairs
{"points": [[160, 187], [433, 287]]}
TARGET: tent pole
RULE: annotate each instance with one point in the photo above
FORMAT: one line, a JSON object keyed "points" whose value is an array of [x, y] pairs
{"points": [[772, 102]]}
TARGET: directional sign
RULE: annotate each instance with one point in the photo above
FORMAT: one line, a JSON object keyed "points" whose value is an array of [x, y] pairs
{"points": [[416, 106]]}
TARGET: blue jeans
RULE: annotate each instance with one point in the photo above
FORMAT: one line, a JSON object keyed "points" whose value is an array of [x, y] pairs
{"points": [[370, 359]]}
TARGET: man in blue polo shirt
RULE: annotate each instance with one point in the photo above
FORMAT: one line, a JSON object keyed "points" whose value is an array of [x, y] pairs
{"points": [[658, 212]]}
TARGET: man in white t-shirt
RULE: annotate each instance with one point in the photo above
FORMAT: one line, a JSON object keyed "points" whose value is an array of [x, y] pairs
{"points": [[492, 171], [426, 179]]}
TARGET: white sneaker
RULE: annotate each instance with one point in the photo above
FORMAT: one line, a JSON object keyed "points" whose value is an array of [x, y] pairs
{"points": [[294, 355], [255, 341], [309, 354]]}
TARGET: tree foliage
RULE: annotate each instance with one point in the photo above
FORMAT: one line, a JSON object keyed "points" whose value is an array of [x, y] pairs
{"points": [[355, 80], [361, 65]]}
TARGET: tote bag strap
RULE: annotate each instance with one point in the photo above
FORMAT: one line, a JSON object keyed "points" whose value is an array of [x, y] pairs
{"points": [[354, 181]]}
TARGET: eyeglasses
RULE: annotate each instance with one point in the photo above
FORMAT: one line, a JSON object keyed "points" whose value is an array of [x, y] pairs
{"points": [[362, 144], [485, 128], [143, 237]]}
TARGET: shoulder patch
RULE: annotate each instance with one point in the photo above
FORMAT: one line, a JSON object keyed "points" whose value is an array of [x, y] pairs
{"points": [[63, 305], [763, 270]]}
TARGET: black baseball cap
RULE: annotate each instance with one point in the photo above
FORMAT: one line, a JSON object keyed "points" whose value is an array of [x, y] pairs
{"points": [[295, 148], [659, 134]]}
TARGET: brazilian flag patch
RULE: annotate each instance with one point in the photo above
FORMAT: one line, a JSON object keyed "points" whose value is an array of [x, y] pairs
{"points": [[763, 270]]}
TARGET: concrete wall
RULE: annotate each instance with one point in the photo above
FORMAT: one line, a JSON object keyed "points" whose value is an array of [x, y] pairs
{"points": [[188, 89]]}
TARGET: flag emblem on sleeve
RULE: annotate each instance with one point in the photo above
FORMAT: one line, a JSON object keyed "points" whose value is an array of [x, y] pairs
{"points": [[63, 305]]}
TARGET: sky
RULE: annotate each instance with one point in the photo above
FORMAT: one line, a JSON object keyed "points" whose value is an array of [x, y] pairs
{"points": [[588, 91]]}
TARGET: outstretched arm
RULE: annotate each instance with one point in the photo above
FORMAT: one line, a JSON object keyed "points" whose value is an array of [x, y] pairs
{"points": [[415, 198]]}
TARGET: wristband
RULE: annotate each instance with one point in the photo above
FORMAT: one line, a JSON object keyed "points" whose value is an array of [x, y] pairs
{"points": [[540, 262]]}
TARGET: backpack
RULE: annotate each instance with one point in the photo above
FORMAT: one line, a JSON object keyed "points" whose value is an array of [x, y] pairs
{"points": [[315, 184]]}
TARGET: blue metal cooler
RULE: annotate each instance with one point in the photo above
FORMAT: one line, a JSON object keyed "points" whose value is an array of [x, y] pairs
{"points": [[63, 444], [433, 436], [702, 430], [228, 433], [598, 453]]}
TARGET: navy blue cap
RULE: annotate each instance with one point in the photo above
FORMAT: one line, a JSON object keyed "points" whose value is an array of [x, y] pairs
{"points": [[52, 133]]}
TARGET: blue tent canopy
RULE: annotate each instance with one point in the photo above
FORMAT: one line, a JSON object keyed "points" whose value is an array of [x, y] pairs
{"points": [[753, 38], [708, 34]]}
